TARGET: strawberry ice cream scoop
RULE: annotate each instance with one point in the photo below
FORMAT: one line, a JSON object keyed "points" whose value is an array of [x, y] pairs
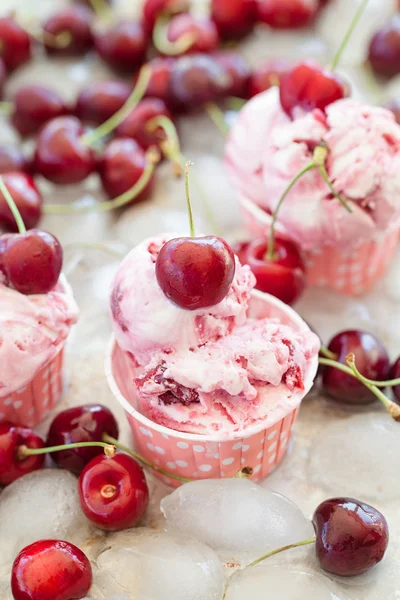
{"points": [[250, 375], [32, 332], [145, 321], [363, 165]]}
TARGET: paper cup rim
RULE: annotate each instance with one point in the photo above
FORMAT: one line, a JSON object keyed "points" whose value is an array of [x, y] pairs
{"points": [[198, 437]]}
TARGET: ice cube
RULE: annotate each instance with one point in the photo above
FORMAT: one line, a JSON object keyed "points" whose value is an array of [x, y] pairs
{"points": [[279, 581], [41, 505], [358, 457], [142, 564], [236, 517]]}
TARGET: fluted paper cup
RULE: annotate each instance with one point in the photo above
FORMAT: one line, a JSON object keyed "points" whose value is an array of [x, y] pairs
{"points": [[197, 456], [32, 403], [352, 271]]}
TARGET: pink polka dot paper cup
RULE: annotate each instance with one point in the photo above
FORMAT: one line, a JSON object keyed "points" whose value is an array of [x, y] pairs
{"points": [[197, 456], [32, 403], [352, 271]]}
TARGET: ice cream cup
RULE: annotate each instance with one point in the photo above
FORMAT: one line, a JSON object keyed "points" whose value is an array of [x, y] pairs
{"points": [[31, 404], [198, 456], [352, 271]]}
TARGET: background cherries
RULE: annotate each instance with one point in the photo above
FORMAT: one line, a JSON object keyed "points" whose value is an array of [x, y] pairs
{"points": [[287, 14], [26, 196], [234, 18], [35, 105], [123, 46], [99, 100], [74, 22], [15, 44], [11, 466], [384, 49]]}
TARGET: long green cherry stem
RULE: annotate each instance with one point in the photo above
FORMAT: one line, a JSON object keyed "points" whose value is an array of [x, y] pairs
{"points": [[108, 126], [327, 353], [348, 35], [152, 158], [217, 117], [164, 45], [25, 452], [6, 108], [112, 441], [188, 200], [13, 207]]}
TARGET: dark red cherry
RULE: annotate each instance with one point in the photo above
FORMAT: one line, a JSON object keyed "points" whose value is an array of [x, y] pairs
{"points": [[372, 360], [195, 272], [237, 70], [266, 75], [352, 536], [196, 79], [99, 100], [15, 44], [287, 14], [159, 84], [11, 465], [395, 374], [152, 9], [113, 492], [136, 122], [80, 424], [31, 261], [27, 198], [204, 32], [3, 76], [234, 18], [35, 105], [283, 277], [12, 159], [121, 166], [76, 21], [384, 49], [308, 86], [123, 46], [60, 155], [51, 570]]}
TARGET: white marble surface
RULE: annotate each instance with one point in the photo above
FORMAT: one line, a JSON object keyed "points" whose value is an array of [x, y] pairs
{"points": [[335, 450]]}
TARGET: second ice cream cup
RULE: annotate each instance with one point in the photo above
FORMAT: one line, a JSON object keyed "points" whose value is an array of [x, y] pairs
{"points": [[352, 271], [196, 456]]}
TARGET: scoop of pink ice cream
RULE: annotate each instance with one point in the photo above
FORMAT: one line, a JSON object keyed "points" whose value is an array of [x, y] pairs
{"points": [[32, 331], [229, 384], [363, 164], [145, 321]]}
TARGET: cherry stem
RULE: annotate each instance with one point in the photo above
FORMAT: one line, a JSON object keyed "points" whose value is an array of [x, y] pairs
{"points": [[6, 108], [272, 553], [188, 201], [325, 177], [25, 452], [217, 117], [101, 8], [112, 123], [319, 157], [111, 441], [348, 35], [392, 408], [12, 206], [152, 156], [235, 103], [270, 255], [327, 353], [59, 41], [172, 150], [164, 45]]}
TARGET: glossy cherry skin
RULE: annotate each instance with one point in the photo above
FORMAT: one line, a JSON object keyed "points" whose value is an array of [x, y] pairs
{"points": [[308, 86], [195, 272], [75, 20], [11, 467], [159, 84], [266, 75], [113, 492], [121, 166], [284, 277], [135, 124], [12, 159], [3, 76], [234, 18], [152, 9], [287, 14], [204, 32], [27, 198], [60, 155], [395, 374], [196, 79], [80, 424], [352, 536], [372, 361], [99, 100], [31, 262], [51, 570], [384, 49], [15, 44], [35, 105], [123, 47], [237, 70]]}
